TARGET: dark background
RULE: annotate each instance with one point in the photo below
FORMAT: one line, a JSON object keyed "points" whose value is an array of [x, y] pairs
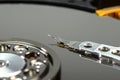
{"points": [[34, 22]]}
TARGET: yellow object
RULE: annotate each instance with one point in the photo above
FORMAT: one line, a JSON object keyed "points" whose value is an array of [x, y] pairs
{"points": [[112, 12]]}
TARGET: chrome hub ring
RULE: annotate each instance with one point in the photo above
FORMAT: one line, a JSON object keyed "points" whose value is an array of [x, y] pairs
{"points": [[27, 60]]}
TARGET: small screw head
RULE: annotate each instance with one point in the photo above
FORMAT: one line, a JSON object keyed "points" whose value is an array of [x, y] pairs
{"points": [[116, 52], [88, 45], [2, 63], [32, 54], [38, 64], [104, 49], [20, 49]]}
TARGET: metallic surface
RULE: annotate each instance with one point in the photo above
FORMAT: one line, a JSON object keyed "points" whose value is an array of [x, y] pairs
{"points": [[100, 53], [34, 22], [13, 65], [28, 61]]}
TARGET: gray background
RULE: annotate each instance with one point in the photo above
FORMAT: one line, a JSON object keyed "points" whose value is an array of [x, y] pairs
{"points": [[34, 22]]}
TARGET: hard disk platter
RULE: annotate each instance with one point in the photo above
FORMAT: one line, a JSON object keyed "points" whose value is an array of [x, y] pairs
{"points": [[22, 59]]}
